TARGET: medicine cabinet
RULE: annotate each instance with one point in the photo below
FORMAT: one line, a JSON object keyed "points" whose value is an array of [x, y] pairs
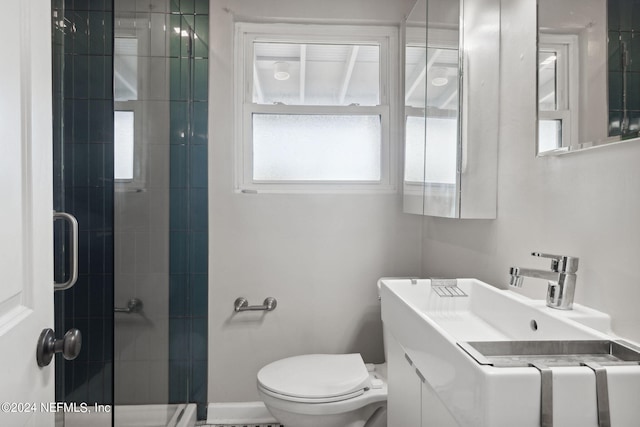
{"points": [[452, 67]]}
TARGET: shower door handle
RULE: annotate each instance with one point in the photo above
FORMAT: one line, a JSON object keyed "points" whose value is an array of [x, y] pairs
{"points": [[73, 240]]}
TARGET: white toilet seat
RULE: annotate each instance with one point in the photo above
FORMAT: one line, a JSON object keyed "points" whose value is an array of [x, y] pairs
{"points": [[328, 408], [316, 378], [320, 384], [310, 400]]}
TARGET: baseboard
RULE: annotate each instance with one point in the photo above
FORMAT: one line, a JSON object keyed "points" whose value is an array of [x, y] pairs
{"points": [[240, 414]]}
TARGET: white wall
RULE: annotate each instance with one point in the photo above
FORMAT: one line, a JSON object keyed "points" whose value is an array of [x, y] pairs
{"points": [[585, 204], [319, 255]]}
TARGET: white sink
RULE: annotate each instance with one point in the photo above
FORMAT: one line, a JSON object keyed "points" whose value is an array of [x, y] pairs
{"points": [[429, 328]]}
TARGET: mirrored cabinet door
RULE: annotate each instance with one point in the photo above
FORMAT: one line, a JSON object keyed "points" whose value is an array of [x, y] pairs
{"points": [[442, 112], [415, 65], [451, 108]]}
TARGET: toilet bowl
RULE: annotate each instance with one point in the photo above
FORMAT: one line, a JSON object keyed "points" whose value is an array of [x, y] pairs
{"points": [[324, 390]]}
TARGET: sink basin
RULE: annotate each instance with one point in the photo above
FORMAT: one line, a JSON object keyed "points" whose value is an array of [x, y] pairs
{"points": [[485, 313], [430, 320]]}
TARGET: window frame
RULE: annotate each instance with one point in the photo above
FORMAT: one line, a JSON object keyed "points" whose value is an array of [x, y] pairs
{"points": [[566, 48], [246, 34]]}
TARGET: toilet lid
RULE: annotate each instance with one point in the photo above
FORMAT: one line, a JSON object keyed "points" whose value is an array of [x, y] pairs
{"points": [[315, 376]]}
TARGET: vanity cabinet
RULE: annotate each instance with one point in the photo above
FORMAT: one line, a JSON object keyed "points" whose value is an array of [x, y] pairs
{"points": [[434, 413], [404, 388], [411, 401]]}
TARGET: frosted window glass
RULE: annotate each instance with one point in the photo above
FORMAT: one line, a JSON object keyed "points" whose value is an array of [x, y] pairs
{"points": [[442, 150], [414, 149], [316, 74], [549, 135], [125, 69], [316, 147], [123, 145]]}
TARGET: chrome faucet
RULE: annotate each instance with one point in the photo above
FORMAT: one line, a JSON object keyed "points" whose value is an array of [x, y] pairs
{"points": [[561, 277]]}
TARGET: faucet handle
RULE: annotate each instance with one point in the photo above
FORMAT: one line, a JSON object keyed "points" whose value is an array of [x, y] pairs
{"points": [[516, 279], [560, 263]]}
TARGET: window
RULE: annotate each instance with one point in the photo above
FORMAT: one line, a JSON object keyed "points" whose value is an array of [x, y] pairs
{"points": [[123, 125], [314, 108], [557, 91], [129, 160]]}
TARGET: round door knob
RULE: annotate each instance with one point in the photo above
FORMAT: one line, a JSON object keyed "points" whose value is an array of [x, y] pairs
{"points": [[48, 345]]}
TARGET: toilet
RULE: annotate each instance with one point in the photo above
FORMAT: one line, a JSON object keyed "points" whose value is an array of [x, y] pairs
{"points": [[325, 390]]}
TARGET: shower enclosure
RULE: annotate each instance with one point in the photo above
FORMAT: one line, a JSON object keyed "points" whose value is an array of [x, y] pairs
{"points": [[130, 162]]}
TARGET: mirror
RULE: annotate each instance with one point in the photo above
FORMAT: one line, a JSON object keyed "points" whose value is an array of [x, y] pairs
{"points": [[415, 60], [451, 108], [588, 74]]}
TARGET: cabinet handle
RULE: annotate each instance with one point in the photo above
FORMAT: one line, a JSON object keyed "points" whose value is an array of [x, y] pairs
{"points": [[406, 356]]}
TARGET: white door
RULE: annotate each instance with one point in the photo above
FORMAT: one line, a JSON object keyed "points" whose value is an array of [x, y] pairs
{"points": [[26, 231]]}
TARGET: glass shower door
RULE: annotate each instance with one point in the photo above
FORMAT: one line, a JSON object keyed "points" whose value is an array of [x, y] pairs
{"points": [[130, 162], [83, 186], [160, 99]]}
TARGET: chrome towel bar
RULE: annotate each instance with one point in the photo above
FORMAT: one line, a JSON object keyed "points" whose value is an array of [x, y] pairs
{"points": [[241, 304]]}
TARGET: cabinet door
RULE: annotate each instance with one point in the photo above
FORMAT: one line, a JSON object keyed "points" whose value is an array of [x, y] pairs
{"points": [[434, 413], [452, 63], [403, 403]]}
